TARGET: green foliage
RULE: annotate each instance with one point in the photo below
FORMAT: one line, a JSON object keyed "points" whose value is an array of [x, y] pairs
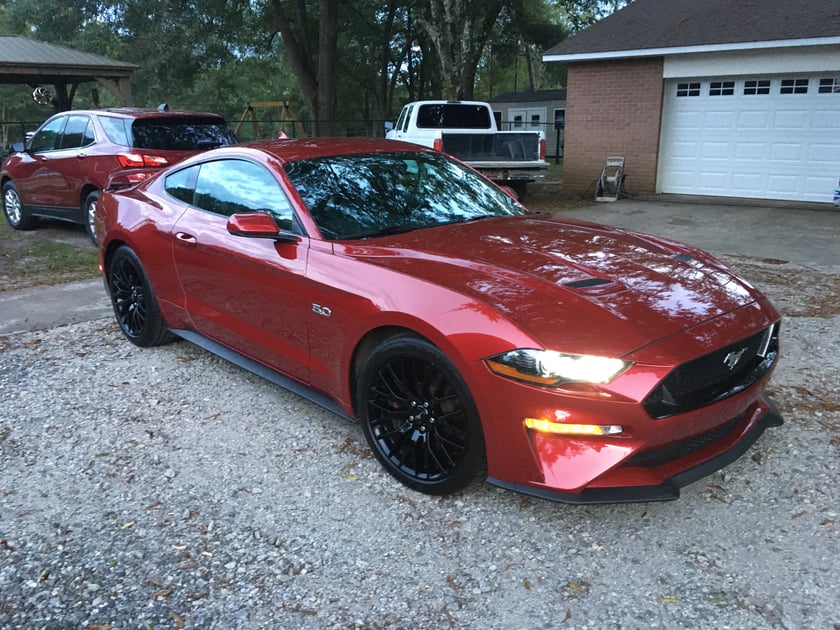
{"points": [[218, 55]]}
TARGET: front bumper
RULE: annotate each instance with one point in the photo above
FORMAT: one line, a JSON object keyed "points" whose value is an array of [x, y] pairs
{"points": [[674, 473]]}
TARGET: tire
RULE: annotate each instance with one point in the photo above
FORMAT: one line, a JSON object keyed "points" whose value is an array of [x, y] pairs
{"points": [[520, 188], [419, 418], [16, 214], [88, 214], [133, 299]]}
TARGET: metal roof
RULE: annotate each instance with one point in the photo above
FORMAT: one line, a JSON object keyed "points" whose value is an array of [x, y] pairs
{"points": [[529, 97], [647, 27], [27, 61], [24, 56]]}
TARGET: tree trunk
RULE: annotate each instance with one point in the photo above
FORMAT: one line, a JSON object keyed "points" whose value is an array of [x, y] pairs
{"points": [[327, 50]]}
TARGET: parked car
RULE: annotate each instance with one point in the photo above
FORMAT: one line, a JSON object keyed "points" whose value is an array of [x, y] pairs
{"points": [[63, 168], [467, 130], [470, 338]]}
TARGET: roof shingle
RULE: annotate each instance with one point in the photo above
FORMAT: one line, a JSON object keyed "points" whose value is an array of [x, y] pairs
{"points": [[657, 24]]}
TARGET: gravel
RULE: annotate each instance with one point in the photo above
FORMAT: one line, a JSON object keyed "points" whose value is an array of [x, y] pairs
{"points": [[166, 488]]}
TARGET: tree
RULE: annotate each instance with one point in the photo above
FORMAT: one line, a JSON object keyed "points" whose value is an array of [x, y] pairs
{"points": [[459, 30], [583, 13], [303, 34]]}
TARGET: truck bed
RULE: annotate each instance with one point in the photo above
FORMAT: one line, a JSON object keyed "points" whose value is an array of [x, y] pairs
{"points": [[509, 146]]}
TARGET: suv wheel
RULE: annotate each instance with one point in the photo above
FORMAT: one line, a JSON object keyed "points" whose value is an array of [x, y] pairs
{"points": [[16, 214], [89, 214]]}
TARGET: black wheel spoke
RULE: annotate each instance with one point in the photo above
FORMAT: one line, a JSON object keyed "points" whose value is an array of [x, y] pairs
{"points": [[417, 418]]}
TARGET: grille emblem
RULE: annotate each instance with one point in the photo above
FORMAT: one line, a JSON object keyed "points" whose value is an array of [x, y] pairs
{"points": [[732, 359]]}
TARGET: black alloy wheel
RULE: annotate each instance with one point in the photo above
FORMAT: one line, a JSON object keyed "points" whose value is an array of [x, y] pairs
{"points": [[135, 306], [419, 417]]}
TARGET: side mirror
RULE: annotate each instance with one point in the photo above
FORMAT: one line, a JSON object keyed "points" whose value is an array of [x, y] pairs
{"points": [[18, 147], [388, 125], [257, 225]]}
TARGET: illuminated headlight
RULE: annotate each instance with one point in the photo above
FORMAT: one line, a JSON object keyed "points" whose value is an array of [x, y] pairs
{"points": [[546, 367]]}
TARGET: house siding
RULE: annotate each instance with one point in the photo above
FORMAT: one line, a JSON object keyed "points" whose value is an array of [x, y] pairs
{"points": [[613, 108]]}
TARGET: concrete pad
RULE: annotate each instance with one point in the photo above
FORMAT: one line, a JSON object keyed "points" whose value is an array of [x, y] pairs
{"points": [[48, 306], [797, 234]]}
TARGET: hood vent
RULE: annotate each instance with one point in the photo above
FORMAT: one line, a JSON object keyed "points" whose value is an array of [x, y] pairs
{"points": [[587, 282]]}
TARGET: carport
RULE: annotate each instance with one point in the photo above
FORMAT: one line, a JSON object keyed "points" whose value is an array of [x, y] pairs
{"points": [[37, 64]]}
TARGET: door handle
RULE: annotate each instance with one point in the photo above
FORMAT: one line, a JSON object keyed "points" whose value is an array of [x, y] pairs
{"points": [[188, 239]]}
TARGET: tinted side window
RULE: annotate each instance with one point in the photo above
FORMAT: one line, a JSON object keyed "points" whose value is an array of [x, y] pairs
{"points": [[77, 133], [181, 184], [116, 129], [46, 138], [181, 134], [230, 186]]}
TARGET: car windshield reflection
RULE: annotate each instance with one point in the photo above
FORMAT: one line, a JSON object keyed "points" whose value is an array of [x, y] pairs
{"points": [[364, 196]]}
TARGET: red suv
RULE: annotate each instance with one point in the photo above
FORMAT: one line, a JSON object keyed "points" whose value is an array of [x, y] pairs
{"points": [[71, 156]]}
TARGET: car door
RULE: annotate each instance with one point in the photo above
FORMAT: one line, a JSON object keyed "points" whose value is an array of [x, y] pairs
{"points": [[246, 293], [73, 162], [35, 176]]}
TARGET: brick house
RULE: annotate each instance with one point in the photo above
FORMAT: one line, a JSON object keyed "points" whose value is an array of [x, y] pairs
{"points": [[707, 97]]}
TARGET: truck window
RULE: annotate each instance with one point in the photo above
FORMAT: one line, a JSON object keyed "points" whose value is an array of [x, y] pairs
{"points": [[400, 120], [453, 116], [408, 111]]}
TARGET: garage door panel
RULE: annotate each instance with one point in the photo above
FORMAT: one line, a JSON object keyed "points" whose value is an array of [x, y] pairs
{"points": [[797, 120], [824, 120], [759, 119], [786, 152], [718, 150], [781, 145], [720, 120], [750, 151]]}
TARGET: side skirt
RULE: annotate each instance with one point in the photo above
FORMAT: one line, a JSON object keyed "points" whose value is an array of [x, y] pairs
{"points": [[261, 370]]}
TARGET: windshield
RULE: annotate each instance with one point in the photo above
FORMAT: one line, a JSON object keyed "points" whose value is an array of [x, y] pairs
{"points": [[361, 196]]}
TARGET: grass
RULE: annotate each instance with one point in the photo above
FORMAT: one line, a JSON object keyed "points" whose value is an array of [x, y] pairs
{"points": [[53, 253]]}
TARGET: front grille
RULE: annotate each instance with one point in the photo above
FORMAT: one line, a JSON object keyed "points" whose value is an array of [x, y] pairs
{"points": [[676, 450], [714, 376]]}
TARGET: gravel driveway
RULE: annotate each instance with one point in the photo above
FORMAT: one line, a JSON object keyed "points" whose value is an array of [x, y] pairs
{"points": [[166, 488]]}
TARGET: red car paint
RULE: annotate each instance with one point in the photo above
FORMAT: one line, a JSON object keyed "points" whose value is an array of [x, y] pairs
{"points": [[305, 306]]}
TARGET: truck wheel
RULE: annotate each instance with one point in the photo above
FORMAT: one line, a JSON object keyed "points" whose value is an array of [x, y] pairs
{"points": [[519, 188]]}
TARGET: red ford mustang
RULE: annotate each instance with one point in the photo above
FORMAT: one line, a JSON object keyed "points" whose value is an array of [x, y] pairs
{"points": [[470, 338]]}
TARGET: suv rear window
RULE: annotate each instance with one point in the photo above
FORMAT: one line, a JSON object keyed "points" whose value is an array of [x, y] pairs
{"points": [[168, 134]]}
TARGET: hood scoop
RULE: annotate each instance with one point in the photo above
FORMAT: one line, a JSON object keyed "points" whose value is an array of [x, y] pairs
{"points": [[587, 283], [595, 286]]}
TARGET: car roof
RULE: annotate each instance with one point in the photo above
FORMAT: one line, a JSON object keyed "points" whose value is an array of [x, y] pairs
{"points": [[301, 149]]}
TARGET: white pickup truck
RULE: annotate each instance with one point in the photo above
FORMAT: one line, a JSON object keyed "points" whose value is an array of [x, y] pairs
{"points": [[467, 130]]}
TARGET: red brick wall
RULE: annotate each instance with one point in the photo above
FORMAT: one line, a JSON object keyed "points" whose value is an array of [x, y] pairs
{"points": [[613, 108]]}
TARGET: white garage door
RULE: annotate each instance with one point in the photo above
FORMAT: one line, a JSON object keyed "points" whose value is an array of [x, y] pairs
{"points": [[768, 138]]}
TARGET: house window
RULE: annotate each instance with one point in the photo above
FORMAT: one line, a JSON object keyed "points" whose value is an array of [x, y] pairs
{"points": [[830, 86], [688, 89], [722, 88], [794, 86], [559, 119], [756, 87]]}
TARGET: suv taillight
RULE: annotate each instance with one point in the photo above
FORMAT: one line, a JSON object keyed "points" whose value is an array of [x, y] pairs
{"points": [[438, 146], [138, 160], [543, 150]]}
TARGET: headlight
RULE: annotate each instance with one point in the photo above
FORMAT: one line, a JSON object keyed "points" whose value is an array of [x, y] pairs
{"points": [[546, 367]]}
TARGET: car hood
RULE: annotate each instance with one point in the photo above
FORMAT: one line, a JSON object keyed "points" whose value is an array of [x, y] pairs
{"points": [[569, 284]]}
